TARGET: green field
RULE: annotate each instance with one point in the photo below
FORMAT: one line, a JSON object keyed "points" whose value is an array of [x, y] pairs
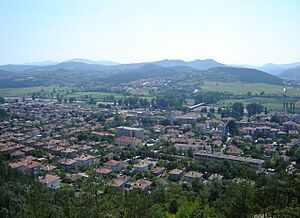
{"points": [[270, 103], [242, 88], [20, 92], [95, 95]]}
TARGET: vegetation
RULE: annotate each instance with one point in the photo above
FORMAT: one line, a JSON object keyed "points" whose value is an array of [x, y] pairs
{"points": [[277, 196]]}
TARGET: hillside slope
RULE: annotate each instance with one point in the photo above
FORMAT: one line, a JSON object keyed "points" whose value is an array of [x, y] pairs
{"points": [[293, 73], [242, 74]]}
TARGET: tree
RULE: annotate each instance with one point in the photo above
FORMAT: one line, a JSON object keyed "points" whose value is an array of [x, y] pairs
{"points": [[71, 100], [254, 108], [238, 109], [190, 153], [2, 100], [173, 206], [232, 128]]}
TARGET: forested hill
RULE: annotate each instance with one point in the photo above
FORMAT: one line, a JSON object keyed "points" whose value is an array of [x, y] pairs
{"points": [[77, 72], [242, 74], [149, 71], [293, 73]]}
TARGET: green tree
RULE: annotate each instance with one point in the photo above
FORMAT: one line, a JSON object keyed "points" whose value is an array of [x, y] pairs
{"points": [[237, 109]]}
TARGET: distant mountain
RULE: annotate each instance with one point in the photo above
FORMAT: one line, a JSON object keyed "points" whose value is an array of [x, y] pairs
{"points": [[277, 69], [274, 69], [242, 74], [293, 73], [204, 64], [71, 66], [78, 72], [5, 74], [197, 64], [86, 61], [150, 71], [42, 63], [16, 68]]}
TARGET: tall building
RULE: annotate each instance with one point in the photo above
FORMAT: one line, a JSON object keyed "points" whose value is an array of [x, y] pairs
{"points": [[130, 132]]}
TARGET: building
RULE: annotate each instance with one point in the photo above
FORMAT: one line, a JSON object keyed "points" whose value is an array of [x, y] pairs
{"points": [[114, 165], [140, 167], [192, 175], [85, 160], [50, 181], [128, 142], [186, 119], [119, 183], [104, 171], [205, 157], [130, 132], [157, 171], [142, 184], [48, 168], [68, 164], [27, 166], [175, 174], [215, 177], [193, 147]]}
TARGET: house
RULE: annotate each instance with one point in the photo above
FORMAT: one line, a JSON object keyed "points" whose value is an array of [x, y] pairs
{"points": [[26, 166], [114, 165], [119, 183], [142, 184], [85, 160], [233, 150], [75, 177], [18, 154], [48, 168], [104, 171], [127, 142], [162, 182], [68, 164], [50, 181], [289, 125], [68, 153], [28, 150], [215, 177], [141, 167], [175, 174], [157, 171], [192, 175]]}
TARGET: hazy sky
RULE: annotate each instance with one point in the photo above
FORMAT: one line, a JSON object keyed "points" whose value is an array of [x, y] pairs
{"points": [[229, 31]]}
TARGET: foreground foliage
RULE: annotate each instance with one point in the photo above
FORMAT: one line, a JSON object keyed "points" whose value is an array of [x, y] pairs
{"points": [[278, 196]]}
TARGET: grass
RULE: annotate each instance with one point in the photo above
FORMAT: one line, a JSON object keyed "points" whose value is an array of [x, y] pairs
{"points": [[95, 95], [20, 92], [270, 103], [240, 88]]}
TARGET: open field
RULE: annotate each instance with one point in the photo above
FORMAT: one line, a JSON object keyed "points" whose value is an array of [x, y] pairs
{"points": [[240, 88], [95, 95], [20, 92], [270, 103]]}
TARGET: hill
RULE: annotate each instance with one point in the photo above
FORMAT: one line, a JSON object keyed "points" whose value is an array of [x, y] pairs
{"points": [[293, 73], [148, 71], [228, 74], [277, 69], [4, 74], [16, 67], [86, 61], [197, 64], [78, 72]]}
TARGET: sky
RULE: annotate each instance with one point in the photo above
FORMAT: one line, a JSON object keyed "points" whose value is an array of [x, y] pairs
{"points": [[251, 32]]}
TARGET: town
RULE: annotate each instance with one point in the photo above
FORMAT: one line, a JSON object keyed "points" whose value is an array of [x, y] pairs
{"points": [[126, 149]]}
